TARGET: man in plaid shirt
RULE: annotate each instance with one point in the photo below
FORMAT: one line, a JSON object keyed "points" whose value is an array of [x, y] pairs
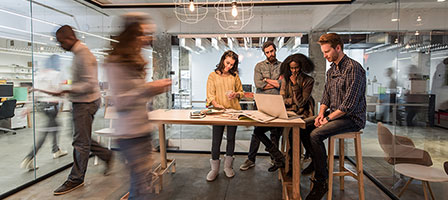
{"points": [[344, 97]]}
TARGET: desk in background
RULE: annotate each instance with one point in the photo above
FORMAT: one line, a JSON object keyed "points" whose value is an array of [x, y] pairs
{"points": [[19, 120]]}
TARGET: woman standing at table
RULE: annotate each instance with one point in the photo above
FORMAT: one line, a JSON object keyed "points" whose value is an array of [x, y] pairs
{"points": [[224, 89], [126, 70]]}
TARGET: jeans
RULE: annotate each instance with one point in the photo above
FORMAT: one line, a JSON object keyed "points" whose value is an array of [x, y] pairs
{"points": [[137, 151], [217, 139], [83, 144], [51, 112], [315, 139], [276, 132]]}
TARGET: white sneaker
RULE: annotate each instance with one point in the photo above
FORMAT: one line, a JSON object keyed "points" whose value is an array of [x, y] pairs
{"points": [[59, 153], [25, 162], [28, 164]]}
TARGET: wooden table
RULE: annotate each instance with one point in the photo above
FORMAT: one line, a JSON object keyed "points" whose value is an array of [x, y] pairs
{"points": [[162, 117]]}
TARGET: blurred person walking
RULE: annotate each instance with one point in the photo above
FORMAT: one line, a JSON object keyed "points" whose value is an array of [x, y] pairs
{"points": [[126, 73], [85, 97], [47, 80], [224, 90]]}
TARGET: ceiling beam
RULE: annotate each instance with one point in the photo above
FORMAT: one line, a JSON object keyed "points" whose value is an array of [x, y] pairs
{"points": [[324, 19], [103, 5]]}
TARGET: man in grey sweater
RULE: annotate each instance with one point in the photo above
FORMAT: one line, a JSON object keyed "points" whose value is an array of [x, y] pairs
{"points": [[85, 97]]}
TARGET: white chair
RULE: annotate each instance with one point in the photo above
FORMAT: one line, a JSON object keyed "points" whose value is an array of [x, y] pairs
{"points": [[108, 132], [425, 174]]}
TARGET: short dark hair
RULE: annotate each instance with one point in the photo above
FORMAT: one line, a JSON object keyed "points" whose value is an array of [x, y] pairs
{"points": [[220, 66], [333, 39], [66, 30], [305, 65], [268, 44]]}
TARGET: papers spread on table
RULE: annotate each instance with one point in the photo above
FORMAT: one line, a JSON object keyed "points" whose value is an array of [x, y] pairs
{"points": [[247, 115]]}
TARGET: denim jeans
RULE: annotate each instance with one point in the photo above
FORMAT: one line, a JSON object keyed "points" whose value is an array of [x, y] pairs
{"points": [[276, 133], [51, 112], [315, 141], [137, 151], [83, 144], [218, 131]]}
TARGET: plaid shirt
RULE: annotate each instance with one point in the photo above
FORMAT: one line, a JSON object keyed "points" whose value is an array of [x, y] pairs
{"points": [[345, 90]]}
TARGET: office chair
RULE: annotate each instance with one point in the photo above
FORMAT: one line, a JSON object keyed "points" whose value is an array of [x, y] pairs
{"points": [[7, 112]]}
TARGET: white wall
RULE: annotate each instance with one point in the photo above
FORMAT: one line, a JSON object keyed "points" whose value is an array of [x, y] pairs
{"points": [[203, 64]]}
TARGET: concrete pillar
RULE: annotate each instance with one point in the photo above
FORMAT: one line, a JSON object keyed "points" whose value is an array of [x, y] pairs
{"points": [[162, 67], [184, 64], [315, 54]]}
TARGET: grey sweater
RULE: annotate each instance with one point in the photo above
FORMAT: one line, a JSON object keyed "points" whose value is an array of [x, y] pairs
{"points": [[85, 86]]}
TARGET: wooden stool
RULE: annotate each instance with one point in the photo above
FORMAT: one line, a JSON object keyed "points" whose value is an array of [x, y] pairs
{"points": [[342, 170]]}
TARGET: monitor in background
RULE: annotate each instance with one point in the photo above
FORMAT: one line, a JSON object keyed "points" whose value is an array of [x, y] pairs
{"points": [[6, 90], [26, 84], [247, 87]]}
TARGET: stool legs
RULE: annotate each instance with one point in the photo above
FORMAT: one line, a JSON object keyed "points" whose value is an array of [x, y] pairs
{"points": [[330, 167], [359, 167], [341, 163], [342, 170]]}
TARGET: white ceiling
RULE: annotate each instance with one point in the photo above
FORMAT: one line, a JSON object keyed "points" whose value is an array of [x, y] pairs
{"points": [[362, 15]]}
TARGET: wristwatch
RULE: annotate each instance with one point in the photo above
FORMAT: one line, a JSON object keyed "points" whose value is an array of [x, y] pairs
{"points": [[327, 118]]}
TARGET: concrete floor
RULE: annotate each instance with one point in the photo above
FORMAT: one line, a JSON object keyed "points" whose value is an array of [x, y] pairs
{"points": [[189, 183], [14, 147]]}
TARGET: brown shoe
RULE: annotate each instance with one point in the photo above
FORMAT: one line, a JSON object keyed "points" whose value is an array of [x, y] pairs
{"points": [[109, 165], [67, 187]]}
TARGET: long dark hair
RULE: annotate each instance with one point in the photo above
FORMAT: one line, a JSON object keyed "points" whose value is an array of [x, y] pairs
{"points": [[220, 66], [305, 65], [128, 48]]}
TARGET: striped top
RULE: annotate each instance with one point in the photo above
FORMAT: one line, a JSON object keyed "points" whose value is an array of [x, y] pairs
{"points": [[345, 90], [217, 87]]}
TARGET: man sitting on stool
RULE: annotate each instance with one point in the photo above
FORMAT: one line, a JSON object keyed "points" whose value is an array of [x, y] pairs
{"points": [[344, 95]]}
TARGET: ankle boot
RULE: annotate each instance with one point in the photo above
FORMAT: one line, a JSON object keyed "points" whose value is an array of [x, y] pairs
{"points": [[228, 166], [211, 176], [279, 158]]}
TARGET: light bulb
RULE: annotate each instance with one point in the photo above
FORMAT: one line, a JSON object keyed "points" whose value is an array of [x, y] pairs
{"points": [[234, 10], [191, 5]]}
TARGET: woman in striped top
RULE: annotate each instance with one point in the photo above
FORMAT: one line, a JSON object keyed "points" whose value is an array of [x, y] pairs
{"points": [[224, 90]]}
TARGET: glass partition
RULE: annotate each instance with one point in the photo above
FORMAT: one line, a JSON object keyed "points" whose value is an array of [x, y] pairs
{"points": [[401, 44], [32, 58]]}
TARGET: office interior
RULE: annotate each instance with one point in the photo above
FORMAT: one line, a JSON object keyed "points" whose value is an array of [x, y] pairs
{"points": [[402, 45]]}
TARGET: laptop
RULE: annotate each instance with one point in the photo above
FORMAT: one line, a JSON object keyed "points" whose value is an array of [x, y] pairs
{"points": [[273, 105]]}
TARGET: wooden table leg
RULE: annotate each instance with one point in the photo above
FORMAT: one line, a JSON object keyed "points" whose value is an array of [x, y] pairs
{"points": [[296, 163], [405, 187], [162, 145], [424, 190], [430, 190]]}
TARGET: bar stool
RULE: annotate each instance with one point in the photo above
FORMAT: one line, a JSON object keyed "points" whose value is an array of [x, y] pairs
{"points": [[342, 170]]}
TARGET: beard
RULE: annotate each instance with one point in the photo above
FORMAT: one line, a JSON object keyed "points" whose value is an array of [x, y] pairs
{"points": [[272, 59], [333, 58]]}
